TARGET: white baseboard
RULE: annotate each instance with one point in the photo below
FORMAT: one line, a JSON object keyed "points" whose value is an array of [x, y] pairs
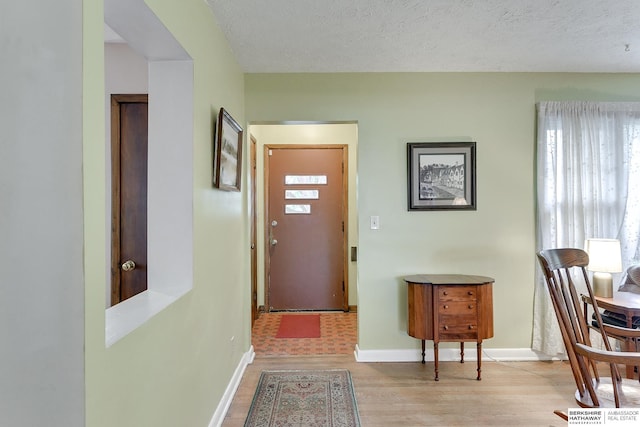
{"points": [[452, 354], [227, 397]]}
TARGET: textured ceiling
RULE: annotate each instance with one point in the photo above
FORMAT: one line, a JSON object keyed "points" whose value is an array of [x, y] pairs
{"points": [[432, 35]]}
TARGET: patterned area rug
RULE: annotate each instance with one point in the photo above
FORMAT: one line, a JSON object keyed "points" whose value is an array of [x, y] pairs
{"points": [[304, 399]]}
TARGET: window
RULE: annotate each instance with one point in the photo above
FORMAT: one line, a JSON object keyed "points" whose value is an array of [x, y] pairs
{"points": [[588, 184]]}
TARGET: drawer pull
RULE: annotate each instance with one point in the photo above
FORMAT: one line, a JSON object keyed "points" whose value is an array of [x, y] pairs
{"points": [[446, 306], [446, 328], [470, 305], [470, 292], [470, 326], [445, 293]]}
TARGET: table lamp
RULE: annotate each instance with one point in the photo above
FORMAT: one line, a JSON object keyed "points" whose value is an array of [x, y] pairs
{"points": [[604, 259]]}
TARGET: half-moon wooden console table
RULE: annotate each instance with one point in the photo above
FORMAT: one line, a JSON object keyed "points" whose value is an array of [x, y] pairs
{"points": [[450, 308]]}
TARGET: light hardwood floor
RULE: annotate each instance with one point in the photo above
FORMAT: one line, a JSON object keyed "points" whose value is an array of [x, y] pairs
{"points": [[405, 394]]}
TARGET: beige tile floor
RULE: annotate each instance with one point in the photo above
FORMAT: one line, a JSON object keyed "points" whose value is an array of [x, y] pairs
{"points": [[337, 336]]}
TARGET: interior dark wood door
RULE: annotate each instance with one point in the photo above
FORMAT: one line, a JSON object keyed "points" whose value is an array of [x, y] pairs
{"points": [[305, 227], [129, 127]]}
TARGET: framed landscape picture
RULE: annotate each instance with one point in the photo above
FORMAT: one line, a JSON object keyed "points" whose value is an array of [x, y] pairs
{"points": [[227, 153], [441, 175]]}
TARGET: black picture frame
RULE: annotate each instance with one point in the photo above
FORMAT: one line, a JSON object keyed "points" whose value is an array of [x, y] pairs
{"points": [[441, 175], [227, 153]]}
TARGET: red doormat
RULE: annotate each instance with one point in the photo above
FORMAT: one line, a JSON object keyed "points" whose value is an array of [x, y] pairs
{"points": [[299, 326]]}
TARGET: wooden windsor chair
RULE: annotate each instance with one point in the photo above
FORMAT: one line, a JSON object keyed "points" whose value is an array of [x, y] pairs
{"points": [[562, 269]]}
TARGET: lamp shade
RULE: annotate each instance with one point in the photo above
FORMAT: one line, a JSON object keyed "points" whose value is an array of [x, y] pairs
{"points": [[604, 255]]}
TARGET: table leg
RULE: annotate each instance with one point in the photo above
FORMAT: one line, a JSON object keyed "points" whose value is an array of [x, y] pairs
{"points": [[479, 360], [629, 345], [423, 352], [435, 359], [462, 352]]}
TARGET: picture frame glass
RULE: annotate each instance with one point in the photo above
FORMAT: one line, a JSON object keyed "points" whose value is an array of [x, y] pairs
{"points": [[441, 176], [227, 153], [229, 156]]}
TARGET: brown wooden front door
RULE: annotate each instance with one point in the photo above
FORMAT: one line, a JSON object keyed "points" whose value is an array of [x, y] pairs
{"points": [[306, 228], [129, 157]]}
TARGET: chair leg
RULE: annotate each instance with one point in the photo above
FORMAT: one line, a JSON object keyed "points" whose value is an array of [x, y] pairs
{"points": [[561, 414], [636, 369]]}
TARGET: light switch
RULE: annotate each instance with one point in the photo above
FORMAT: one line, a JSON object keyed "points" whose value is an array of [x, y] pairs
{"points": [[375, 222]]}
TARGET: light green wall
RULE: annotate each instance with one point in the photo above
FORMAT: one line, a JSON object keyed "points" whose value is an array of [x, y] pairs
{"points": [[494, 109], [174, 369]]}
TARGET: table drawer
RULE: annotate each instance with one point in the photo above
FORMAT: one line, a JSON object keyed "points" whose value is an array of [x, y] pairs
{"points": [[462, 293], [454, 333], [465, 321], [460, 308], [458, 336]]}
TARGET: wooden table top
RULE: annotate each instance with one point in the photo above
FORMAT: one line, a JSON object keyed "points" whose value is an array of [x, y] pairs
{"points": [[620, 300], [448, 279]]}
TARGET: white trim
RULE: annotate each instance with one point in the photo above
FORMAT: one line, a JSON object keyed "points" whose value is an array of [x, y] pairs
{"points": [[517, 355], [127, 316], [170, 196], [227, 397], [138, 25], [386, 355], [452, 354]]}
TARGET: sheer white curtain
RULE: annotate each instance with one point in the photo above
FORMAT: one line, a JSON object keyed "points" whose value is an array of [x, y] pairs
{"points": [[588, 179]]}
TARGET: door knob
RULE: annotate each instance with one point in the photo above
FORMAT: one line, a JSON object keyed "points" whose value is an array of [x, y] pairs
{"points": [[273, 242], [128, 265]]}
